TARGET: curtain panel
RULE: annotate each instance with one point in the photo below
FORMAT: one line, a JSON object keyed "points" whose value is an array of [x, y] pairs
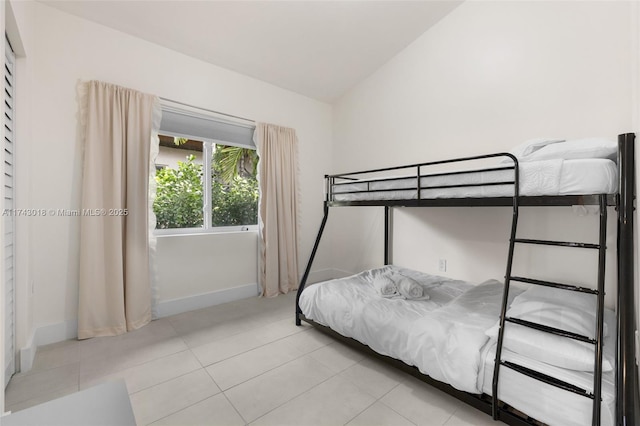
{"points": [[278, 208], [118, 126]]}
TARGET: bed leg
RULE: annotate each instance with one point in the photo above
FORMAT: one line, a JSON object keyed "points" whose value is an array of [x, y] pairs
{"points": [[303, 281], [626, 378]]}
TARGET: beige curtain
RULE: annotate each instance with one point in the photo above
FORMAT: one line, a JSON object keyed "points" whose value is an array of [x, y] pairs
{"points": [[114, 282], [278, 213]]}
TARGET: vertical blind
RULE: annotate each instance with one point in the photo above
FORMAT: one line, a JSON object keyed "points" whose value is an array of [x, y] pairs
{"points": [[9, 219]]}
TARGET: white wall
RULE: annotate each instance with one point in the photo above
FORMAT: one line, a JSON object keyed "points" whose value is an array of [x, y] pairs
{"points": [[489, 76], [184, 271], [67, 49]]}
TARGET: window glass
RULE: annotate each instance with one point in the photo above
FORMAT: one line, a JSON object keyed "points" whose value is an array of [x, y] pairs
{"points": [[228, 197], [234, 190], [179, 201]]}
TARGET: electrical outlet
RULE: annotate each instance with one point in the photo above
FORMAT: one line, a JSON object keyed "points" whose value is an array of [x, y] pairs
{"points": [[442, 265]]}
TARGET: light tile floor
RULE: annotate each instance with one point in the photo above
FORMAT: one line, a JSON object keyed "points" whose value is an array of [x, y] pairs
{"points": [[239, 363]]}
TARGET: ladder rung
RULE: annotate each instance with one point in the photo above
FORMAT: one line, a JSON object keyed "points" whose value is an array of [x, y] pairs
{"points": [[553, 284], [552, 330], [547, 379], [557, 243]]}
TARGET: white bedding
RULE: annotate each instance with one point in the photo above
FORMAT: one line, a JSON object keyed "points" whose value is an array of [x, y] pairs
{"points": [[547, 177], [443, 343], [447, 343], [546, 403], [351, 307]]}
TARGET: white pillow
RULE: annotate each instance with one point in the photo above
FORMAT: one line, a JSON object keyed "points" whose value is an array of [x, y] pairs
{"points": [[570, 299], [571, 311], [558, 316], [531, 146], [551, 349], [576, 149]]}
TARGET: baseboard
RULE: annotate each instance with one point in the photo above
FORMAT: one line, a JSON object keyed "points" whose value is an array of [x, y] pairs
{"points": [[45, 335], [27, 355], [198, 301]]}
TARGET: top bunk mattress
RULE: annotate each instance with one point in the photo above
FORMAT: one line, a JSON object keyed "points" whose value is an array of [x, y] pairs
{"points": [[537, 178]]}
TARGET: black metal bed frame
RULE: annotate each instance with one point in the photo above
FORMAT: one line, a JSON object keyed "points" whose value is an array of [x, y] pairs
{"points": [[627, 411]]}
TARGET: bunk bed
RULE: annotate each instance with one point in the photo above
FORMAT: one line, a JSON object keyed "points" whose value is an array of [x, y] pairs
{"points": [[489, 373]]}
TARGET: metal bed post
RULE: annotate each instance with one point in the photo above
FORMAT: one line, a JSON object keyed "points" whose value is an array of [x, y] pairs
{"points": [[507, 280], [602, 254], [387, 232], [626, 372], [303, 281]]}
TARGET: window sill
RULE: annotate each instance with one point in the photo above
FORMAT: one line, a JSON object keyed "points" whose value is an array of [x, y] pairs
{"points": [[198, 231]]}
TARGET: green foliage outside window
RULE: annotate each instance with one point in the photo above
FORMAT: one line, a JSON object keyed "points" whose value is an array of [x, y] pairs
{"points": [[179, 201], [235, 203]]}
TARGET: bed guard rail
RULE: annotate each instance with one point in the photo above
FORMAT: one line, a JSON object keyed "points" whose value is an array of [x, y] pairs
{"points": [[357, 185]]}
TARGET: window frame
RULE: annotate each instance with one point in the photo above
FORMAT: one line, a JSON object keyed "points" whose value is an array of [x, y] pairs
{"points": [[207, 157]]}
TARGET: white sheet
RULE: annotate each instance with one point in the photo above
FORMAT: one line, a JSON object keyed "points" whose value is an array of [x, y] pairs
{"points": [[547, 403], [447, 343], [443, 343], [548, 177], [351, 307]]}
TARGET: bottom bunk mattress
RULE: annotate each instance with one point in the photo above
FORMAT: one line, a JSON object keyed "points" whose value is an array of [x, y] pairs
{"points": [[442, 336], [447, 338]]}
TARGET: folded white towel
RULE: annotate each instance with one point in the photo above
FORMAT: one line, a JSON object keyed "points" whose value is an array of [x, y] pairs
{"points": [[385, 286], [409, 288]]}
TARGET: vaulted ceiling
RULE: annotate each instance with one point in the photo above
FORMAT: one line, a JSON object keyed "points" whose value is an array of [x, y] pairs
{"points": [[319, 49]]}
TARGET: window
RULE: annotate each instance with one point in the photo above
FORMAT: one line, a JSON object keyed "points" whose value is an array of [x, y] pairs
{"points": [[204, 184]]}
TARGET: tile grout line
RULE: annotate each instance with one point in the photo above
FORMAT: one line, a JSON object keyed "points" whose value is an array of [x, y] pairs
{"points": [[394, 410], [235, 409], [137, 366], [449, 418], [331, 344], [174, 378], [367, 357], [271, 369], [297, 396], [220, 322], [183, 408], [248, 350], [361, 411]]}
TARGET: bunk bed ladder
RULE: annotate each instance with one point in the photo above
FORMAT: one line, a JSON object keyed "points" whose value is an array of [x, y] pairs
{"points": [[595, 395]]}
